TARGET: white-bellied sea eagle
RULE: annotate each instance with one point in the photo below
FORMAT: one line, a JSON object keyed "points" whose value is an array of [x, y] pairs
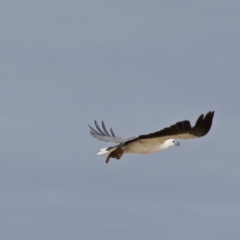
{"points": [[152, 142]]}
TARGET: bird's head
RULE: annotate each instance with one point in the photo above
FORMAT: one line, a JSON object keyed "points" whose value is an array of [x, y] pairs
{"points": [[172, 142]]}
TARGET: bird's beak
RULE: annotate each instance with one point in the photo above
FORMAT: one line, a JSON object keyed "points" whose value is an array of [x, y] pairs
{"points": [[177, 144]]}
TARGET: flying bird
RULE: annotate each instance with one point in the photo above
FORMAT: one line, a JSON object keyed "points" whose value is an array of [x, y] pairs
{"points": [[152, 142]]}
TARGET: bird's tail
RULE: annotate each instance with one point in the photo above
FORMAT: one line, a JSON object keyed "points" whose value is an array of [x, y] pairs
{"points": [[104, 151]]}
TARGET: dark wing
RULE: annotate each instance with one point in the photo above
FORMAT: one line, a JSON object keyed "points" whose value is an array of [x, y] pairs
{"points": [[103, 134], [182, 130]]}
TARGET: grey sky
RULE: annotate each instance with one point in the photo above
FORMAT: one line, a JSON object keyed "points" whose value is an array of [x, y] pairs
{"points": [[140, 66]]}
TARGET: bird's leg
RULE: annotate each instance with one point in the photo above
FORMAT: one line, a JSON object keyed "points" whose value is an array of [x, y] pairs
{"points": [[115, 154]]}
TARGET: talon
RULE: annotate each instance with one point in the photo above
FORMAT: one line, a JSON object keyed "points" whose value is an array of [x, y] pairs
{"points": [[115, 154]]}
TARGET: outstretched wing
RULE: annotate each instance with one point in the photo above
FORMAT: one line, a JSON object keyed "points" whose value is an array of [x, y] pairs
{"points": [[182, 130], [103, 134]]}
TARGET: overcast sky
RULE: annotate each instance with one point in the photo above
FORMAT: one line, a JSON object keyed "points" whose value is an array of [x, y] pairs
{"points": [[140, 66]]}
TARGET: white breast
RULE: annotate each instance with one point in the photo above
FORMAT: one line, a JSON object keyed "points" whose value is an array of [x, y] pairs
{"points": [[144, 146]]}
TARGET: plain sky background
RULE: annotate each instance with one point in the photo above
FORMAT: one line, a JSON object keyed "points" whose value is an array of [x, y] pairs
{"points": [[140, 66]]}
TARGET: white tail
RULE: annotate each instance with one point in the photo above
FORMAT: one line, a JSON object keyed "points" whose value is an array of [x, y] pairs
{"points": [[104, 151]]}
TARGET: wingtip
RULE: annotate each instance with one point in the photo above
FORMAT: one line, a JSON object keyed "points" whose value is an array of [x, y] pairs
{"points": [[210, 115], [203, 124], [206, 124]]}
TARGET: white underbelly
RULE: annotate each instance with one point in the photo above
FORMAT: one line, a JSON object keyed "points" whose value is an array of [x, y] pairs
{"points": [[143, 147]]}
